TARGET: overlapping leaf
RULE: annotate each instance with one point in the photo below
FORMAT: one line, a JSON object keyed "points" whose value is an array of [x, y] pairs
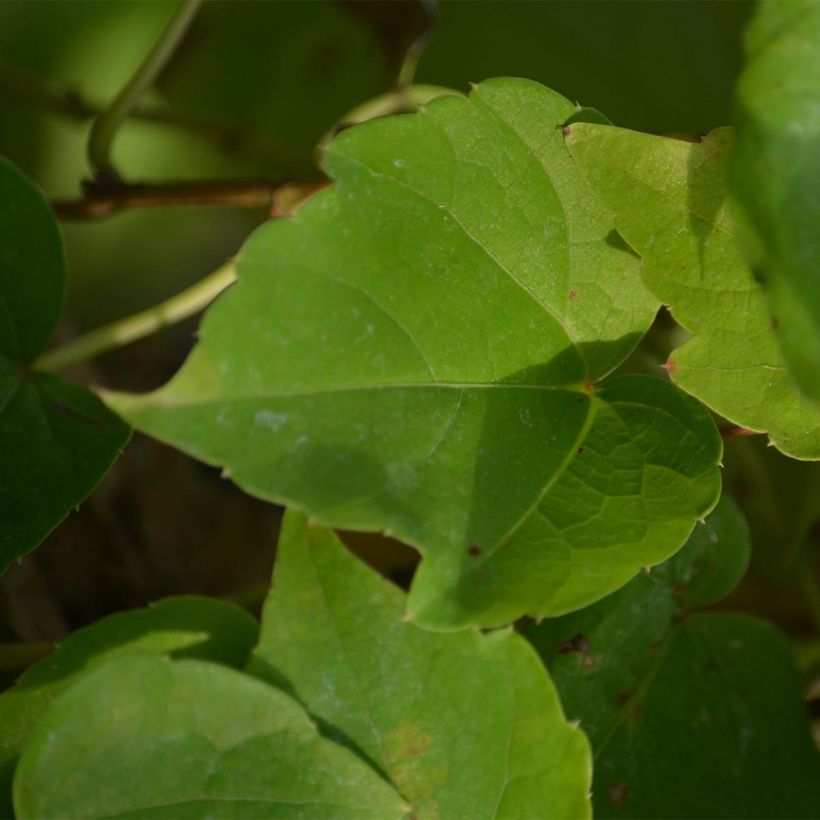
{"points": [[181, 627], [670, 200], [688, 715], [776, 174], [464, 724], [57, 440], [142, 736], [416, 350]]}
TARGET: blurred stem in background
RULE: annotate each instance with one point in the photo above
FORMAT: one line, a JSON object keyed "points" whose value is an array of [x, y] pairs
{"points": [[105, 126]]}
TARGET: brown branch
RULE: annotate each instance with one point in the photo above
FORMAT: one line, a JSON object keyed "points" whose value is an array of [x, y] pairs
{"points": [[98, 204]]}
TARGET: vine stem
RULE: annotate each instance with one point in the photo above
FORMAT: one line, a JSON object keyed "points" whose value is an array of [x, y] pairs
{"points": [[105, 126], [124, 331]]}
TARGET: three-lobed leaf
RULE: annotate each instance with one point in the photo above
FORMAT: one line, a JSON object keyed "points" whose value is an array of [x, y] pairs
{"points": [[463, 724], [776, 174], [57, 439], [416, 352], [670, 201]]}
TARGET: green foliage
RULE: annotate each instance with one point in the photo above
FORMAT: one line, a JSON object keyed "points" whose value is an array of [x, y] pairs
{"points": [[455, 412], [457, 341], [57, 439], [463, 724], [671, 204], [705, 701], [142, 736], [186, 627], [776, 175]]}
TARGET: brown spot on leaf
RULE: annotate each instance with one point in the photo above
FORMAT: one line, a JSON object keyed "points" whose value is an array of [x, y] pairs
{"points": [[566, 130], [618, 794], [474, 549], [622, 698], [573, 294], [578, 644], [580, 450]]}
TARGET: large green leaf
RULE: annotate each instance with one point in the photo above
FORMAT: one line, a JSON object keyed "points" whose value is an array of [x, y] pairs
{"points": [[143, 736], [463, 724], [776, 174], [186, 627], [57, 440], [670, 200], [688, 715], [416, 350]]}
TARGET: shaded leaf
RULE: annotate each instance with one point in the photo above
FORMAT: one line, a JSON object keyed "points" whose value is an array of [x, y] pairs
{"points": [[688, 715], [32, 268], [185, 627], [776, 174], [414, 352], [463, 724], [143, 736], [670, 200], [57, 440]]}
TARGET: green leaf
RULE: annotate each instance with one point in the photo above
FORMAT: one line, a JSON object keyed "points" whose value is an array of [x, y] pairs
{"points": [[692, 712], [144, 737], [463, 724], [721, 728], [776, 174], [671, 205], [57, 440], [414, 352], [32, 268], [184, 627]]}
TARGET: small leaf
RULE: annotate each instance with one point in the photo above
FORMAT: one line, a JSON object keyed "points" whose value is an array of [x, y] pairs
{"points": [[687, 711], [142, 736], [185, 627], [463, 724], [776, 174], [57, 440], [414, 352], [670, 200]]}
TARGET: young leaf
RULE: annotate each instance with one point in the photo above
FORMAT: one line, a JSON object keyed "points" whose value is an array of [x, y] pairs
{"points": [[414, 352], [142, 736], [463, 724], [57, 440], [185, 627], [776, 174], [685, 711], [670, 203]]}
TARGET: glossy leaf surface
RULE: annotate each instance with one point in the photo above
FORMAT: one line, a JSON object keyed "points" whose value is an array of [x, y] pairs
{"points": [[670, 200], [414, 352], [144, 737], [185, 627], [56, 439], [688, 715], [776, 174], [463, 724]]}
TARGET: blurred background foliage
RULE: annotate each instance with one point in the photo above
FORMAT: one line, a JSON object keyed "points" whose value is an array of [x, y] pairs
{"points": [[247, 95]]}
